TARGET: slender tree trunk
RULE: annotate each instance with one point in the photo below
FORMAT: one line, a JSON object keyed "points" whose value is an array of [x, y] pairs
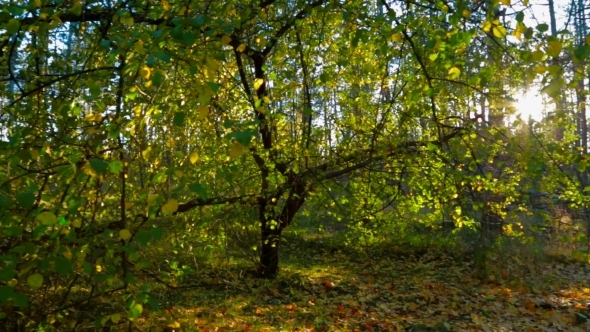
{"points": [[269, 253], [559, 106], [272, 228]]}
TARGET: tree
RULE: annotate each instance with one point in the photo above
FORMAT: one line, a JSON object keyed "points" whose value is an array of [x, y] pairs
{"points": [[118, 113]]}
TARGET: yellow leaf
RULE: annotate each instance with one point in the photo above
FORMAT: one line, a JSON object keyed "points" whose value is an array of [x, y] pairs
{"points": [[47, 218], [67, 254], [266, 100], [127, 21], [261, 41], [466, 13], [165, 5], [518, 34], [193, 158], [174, 325], [146, 153], [540, 69], [152, 199], [525, 2], [499, 31], [34, 154], [454, 73], [537, 55], [138, 46], [212, 64], [396, 37], [77, 223], [236, 150], [486, 26], [124, 234], [203, 112], [225, 40], [170, 207], [241, 48], [115, 318], [444, 9], [178, 174], [505, 2], [145, 72], [554, 48], [258, 83]]}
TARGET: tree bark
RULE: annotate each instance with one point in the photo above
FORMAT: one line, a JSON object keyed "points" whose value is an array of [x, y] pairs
{"points": [[269, 253]]}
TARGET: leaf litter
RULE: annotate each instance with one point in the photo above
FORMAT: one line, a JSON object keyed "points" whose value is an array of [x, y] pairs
{"points": [[434, 292]]}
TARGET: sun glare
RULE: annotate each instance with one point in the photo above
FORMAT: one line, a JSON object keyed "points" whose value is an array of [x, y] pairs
{"points": [[530, 104]]}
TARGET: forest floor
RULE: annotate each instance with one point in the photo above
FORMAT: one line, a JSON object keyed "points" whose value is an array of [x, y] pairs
{"points": [[322, 289]]}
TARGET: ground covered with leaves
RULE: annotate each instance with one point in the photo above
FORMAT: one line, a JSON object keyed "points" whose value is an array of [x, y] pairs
{"points": [[430, 290]]}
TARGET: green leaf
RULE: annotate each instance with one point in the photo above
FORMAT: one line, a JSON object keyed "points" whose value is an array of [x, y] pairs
{"points": [[7, 273], [98, 165], [12, 26], [116, 166], [20, 300], [542, 27], [5, 202], [213, 86], [432, 147], [157, 233], [6, 292], [135, 310], [35, 281], [178, 119], [158, 78], [162, 56], [94, 89], [26, 200], [554, 88], [199, 189], [143, 237], [228, 124], [63, 266], [582, 52]]}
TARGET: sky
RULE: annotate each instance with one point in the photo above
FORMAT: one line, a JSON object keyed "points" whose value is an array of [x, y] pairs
{"points": [[531, 103]]}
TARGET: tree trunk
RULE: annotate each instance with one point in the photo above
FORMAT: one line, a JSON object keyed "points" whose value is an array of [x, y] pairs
{"points": [[269, 254]]}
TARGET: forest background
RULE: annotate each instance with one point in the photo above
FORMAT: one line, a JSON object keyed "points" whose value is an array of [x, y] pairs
{"points": [[294, 164]]}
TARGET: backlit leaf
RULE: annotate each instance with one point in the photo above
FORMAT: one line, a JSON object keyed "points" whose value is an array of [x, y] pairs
{"points": [[124, 234], [170, 207], [454, 73], [236, 149], [202, 112], [194, 157], [258, 83], [35, 281], [225, 40], [47, 218], [499, 31]]}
